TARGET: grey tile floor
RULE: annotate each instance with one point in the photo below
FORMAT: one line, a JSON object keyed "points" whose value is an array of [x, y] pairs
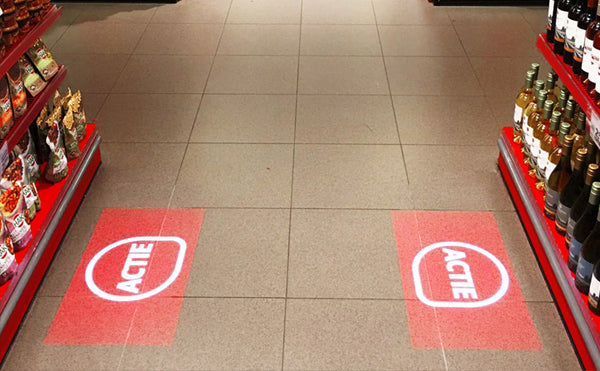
{"points": [[298, 125]]}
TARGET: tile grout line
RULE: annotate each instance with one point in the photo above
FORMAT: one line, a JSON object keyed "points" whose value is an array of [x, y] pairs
{"points": [[390, 95]]}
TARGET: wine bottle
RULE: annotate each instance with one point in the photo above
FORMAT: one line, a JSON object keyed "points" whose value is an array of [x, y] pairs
{"points": [[588, 256], [556, 153], [549, 87], [524, 97], [569, 115], [580, 203], [562, 101], [578, 133], [594, 293], [551, 21], [535, 67], [532, 120], [588, 44], [584, 226], [559, 178], [593, 72], [560, 30], [549, 142], [570, 191], [540, 130], [572, 19], [584, 21]]}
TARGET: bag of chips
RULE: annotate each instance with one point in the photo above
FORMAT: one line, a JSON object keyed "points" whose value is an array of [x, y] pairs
{"points": [[41, 131], [70, 135], [42, 59], [12, 205], [26, 147], [6, 112], [17, 90], [15, 172], [32, 81], [32, 201], [8, 264], [57, 167], [78, 115]]}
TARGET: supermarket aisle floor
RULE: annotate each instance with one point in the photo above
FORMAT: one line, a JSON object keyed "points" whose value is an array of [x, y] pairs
{"points": [[298, 125]]}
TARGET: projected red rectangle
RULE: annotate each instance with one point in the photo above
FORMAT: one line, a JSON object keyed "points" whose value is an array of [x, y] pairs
{"points": [[130, 282], [460, 288]]}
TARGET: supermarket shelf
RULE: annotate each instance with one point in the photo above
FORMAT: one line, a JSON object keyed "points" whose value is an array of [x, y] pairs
{"points": [[566, 76], [34, 106], [551, 252], [21, 46], [59, 204]]}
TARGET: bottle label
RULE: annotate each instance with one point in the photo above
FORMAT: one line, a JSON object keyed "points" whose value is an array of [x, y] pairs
{"points": [[586, 64], [561, 25], [552, 198], [562, 215], [518, 117], [535, 148], [570, 35], [594, 296], [574, 251], [584, 271], [542, 163], [528, 134], [579, 40], [549, 169], [570, 227], [593, 73]]}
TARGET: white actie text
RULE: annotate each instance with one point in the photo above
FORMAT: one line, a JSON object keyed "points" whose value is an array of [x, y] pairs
{"points": [[133, 270], [462, 283]]}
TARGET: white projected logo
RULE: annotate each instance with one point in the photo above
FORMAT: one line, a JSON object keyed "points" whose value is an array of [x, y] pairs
{"points": [[135, 267], [463, 286]]}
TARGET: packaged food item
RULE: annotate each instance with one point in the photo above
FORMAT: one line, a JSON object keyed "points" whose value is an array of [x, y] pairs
{"points": [[9, 18], [8, 263], [41, 131], [42, 59], [32, 201], [34, 4], [7, 6], [15, 172], [78, 115], [62, 101], [10, 35], [26, 147], [17, 91], [57, 167], [32, 81], [70, 135], [21, 9], [23, 23], [12, 205], [35, 16], [6, 113], [2, 46]]}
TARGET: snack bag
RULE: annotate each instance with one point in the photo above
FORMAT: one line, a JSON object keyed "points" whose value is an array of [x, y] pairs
{"points": [[78, 115], [70, 135], [8, 264], [42, 131], [15, 172], [32, 201], [26, 147], [12, 205], [32, 81], [17, 90], [62, 100], [6, 113], [57, 167], [42, 59]]}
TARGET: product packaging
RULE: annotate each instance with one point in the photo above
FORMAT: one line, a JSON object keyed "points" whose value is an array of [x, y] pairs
{"points": [[6, 112], [17, 91], [57, 167], [42, 59], [32, 81]]}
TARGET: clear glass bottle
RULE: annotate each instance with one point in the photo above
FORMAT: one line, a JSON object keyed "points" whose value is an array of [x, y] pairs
{"points": [[524, 97], [558, 178]]}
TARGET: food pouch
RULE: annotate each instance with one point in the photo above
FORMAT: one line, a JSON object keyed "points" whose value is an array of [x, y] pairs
{"points": [[57, 167], [42, 131], [6, 113], [32, 81], [17, 90], [8, 263], [26, 147], [12, 205], [15, 172], [42, 59], [76, 106], [32, 201], [70, 135]]}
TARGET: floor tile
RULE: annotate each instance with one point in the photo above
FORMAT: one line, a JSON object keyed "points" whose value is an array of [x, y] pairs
{"points": [[181, 39], [92, 73], [537, 17], [352, 334], [345, 119], [218, 334], [265, 11], [235, 175], [349, 176], [92, 103], [53, 34], [469, 178], [117, 13], [342, 75], [420, 40], [446, 120], [555, 355], [70, 12], [253, 75], [241, 39], [482, 15], [337, 12], [340, 40], [128, 167], [241, 253], [100, 38], [143, 117], [432, 76], [503, 109], [69, 253], [523, 260], [343, 254], [246, 119], [518, 40], [197, 11], [29, 353], [164, 74], [409, 12]]}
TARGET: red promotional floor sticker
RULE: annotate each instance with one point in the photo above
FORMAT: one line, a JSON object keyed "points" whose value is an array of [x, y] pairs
{"points": [[458, 281], [129, 285]]}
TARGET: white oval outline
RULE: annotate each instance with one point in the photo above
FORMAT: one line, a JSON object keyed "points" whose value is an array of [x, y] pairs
{"points": [[452, 304], [89, 271]]}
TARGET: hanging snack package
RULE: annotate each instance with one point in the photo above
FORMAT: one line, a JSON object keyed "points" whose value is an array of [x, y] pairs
{"points": [[6, 113], [70, 135], [12, 205], [42, 59], [26, 147], [32, 81], [17, 90], [15, 172], [57, 167], [31, 202], [8, 264], [78, 115], [41, 128]]}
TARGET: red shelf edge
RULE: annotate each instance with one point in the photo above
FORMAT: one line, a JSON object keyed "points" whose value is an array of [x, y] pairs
{"points": [[21, 46]]}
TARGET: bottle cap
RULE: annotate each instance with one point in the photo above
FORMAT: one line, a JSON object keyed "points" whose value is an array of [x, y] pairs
{"points": [[555, 121], [565, 128], [580, 155], [548, 105], [581, 121], [595, 189], [592, 170]]}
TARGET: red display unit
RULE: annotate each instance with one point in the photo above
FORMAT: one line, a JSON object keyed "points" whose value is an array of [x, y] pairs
{"points": [[59, 201]]}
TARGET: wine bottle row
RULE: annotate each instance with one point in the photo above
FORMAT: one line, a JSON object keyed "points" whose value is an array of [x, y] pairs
{"points": [[564, 161]]}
